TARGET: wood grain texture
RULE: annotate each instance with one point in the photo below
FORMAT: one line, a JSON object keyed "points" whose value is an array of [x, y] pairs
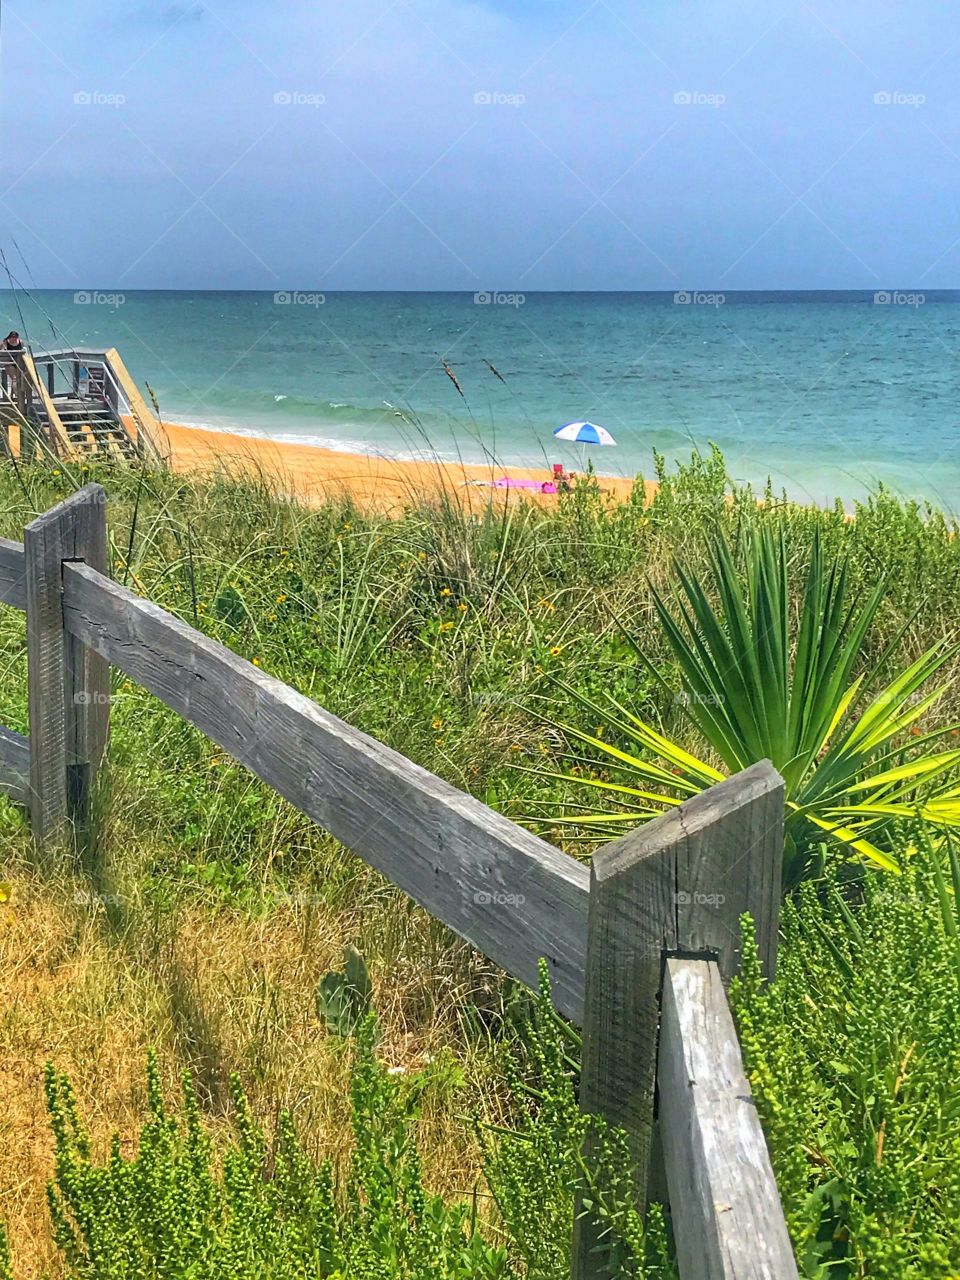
{"points": [[68, 694], [727, 1217], [149, 431], [678, 884], [510, 894], [58, 439], [14, 766], [13, 587]]}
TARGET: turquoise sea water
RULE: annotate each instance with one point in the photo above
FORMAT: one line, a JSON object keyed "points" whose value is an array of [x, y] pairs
{"points": [[825, 393]]}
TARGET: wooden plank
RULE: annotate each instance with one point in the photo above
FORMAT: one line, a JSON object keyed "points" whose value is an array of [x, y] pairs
{"points": [[728, 1221], [678, 884], [13, 586], [69, 691], [14, 765], [86, 673], [149, 430], [59, 439], [510, 894]]}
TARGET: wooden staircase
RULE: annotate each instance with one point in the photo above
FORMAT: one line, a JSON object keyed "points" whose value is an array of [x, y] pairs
{"points": [[93, 427], [76, 404]]}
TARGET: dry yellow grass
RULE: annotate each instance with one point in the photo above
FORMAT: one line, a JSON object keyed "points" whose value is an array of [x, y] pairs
{"points": [[218, 991]]}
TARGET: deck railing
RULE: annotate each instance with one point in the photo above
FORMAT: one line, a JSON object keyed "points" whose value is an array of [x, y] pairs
{"points": [[638, 946], [57, 373]]}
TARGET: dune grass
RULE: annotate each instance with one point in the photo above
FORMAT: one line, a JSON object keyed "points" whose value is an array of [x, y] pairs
{"points": [[206, 912]]}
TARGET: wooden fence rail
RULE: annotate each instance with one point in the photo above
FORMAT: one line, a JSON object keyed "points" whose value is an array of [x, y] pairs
{"points": [[638, 946]]}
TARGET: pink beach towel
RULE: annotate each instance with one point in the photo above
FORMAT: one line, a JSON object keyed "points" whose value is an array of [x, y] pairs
{"points": [[508, 482]]}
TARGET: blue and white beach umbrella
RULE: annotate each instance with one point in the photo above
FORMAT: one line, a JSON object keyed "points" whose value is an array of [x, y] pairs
{"points": [[584, 433]]}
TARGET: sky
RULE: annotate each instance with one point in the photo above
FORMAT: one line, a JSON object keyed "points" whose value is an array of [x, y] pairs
{"points": [[510, 145]]}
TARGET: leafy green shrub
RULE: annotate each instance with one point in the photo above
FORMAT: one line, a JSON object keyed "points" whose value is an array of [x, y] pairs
{"points": [[343, 996], [170, 1213], [167, 1213], [853, 1053], [536, 1169]]}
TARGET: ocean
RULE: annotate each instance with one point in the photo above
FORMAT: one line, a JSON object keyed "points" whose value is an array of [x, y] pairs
{"points": [[825, 394]]}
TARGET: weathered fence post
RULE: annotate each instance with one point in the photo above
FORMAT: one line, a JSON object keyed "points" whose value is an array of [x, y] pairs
{"points": [[69, 688], [677, 885], [728, 1222]]}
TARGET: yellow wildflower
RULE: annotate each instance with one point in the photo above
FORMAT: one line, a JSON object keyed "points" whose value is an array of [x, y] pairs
{"points": [[446, 626], [556, 651], [446, 591], [255, 661], [463, 607], [437, 724]]}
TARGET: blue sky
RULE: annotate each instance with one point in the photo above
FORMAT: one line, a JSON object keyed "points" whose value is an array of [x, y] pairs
{"points": [[438, 144]]}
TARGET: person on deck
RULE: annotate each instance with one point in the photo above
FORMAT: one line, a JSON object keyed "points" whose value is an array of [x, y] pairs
{"points": [[19, 388]]}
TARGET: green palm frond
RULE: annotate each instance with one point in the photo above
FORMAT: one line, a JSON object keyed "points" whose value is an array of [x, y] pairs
{"points": [[754, 687]]}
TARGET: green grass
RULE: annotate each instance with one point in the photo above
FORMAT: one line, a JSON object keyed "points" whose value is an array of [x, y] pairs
{"points": [[207, 912]]}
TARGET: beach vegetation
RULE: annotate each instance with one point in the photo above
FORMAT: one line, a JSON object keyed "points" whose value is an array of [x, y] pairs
{"points": [[267, 1207], [766, 673], [208, 919], [853, 1053]]}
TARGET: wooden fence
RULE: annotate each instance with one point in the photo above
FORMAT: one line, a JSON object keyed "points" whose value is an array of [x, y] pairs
{"points": [[638, 946]]}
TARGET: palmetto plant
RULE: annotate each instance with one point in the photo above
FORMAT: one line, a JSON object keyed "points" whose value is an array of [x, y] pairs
{"points": [[757, 687]]}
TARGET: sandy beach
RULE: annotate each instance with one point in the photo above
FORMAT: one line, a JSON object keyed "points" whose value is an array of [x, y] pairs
{"points": [[312, 474]]}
